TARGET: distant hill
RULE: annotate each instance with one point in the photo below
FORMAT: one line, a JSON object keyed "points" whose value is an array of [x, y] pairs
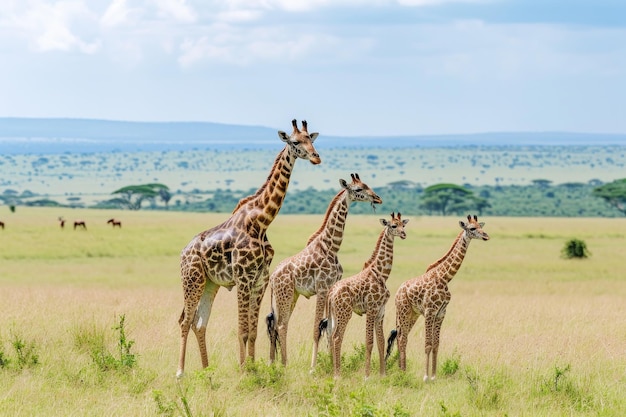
{"points": [[55, 135]]}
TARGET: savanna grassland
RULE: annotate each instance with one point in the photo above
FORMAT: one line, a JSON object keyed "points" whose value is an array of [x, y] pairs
{"points": [[88, 323]]}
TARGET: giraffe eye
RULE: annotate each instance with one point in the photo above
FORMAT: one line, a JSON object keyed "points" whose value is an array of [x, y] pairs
{"points": [[296, 142]]}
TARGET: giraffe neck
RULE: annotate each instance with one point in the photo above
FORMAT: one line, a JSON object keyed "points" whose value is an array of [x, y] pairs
{"points": [[264, 205], [382, 258], [330, 234], [446, 268]]}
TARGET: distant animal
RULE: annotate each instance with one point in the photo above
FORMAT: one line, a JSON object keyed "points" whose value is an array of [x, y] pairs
{"points": [[80, 223], [62, 222], [2, 225], [115, 223]]}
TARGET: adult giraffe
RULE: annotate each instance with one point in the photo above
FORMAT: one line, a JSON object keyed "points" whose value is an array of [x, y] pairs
{"points": [[238, 253]]}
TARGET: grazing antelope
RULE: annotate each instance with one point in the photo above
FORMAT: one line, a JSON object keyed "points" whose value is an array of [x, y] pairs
{"points": [[80, 223], [115, 223]]}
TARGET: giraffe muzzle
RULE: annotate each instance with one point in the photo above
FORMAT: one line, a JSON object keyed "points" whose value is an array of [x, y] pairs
{"points": [[315, 159]]}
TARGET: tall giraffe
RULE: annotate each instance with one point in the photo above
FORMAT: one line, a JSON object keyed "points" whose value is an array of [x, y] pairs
{"points": [[314, 269], [238, 253], [428, 295], [365, 293]]}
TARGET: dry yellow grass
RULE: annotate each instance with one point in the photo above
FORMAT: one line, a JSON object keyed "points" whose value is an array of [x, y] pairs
{"points": [[519, 315]]}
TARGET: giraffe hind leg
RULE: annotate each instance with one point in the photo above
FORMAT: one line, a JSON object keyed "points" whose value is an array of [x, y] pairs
{"points": [[320, 304], [185, 323], [195, 316]]}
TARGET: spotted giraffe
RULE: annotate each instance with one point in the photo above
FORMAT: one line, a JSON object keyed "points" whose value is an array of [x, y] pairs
{"points": [[365, 293], [238, 253], [313, 270], [428, 295]]}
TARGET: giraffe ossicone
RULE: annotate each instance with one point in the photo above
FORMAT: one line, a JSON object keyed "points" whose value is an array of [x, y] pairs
{"points": [[428, 295], [237, 253], [314, 269]]}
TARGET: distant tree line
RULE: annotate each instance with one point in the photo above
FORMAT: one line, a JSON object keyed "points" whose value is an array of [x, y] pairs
{"points": [[541, 198]]}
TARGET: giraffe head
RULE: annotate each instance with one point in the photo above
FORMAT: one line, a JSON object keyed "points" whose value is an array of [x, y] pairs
{"points": [[473, 228], [359, 191], [301, 141], [396, 225]]}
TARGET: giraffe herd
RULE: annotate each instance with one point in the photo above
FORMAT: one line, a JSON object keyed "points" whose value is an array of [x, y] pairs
{"points": [[237, 254]]}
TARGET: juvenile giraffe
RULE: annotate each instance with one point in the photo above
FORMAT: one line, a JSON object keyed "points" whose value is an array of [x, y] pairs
{"points": [[238, 253], [314, 269], [365, 293], [428, 295]]}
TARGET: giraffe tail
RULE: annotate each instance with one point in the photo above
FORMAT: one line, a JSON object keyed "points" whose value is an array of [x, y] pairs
{"points": [[272, 331], [392, 338], [323, 327]]}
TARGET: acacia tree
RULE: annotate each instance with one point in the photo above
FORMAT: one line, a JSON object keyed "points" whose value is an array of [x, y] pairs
{"points": [[132, 196], [451, 198], [613, 193]]}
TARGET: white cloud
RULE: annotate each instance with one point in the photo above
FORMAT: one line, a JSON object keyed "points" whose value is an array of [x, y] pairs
{"points": [[179, 10], [118, 13], [48, 26]]}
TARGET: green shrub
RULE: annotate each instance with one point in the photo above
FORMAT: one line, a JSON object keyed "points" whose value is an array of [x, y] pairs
{"points": [[93, 340], [26, 353], [451, 365], [575, 248]]}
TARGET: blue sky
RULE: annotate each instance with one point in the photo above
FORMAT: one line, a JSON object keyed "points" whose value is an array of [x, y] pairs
{"points": [[350, 67]]}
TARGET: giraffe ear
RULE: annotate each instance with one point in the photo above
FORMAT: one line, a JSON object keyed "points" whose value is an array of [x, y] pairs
{"points": [[405, 221], [481, 224], [384, 222], [283, 136], [462, 224], [313, 136], [343, 183]]}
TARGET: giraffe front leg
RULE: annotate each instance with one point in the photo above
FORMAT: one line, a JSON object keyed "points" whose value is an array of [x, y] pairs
{"points": [[380, 340], [320, 305], [243, 306], [429, 326], [253, 317], [436, 330], [369, 342]]}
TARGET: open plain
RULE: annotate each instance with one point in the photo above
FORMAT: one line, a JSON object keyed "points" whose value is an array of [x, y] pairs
{"points": [[88, 323]]}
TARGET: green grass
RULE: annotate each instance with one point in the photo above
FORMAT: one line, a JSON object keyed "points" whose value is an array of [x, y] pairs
{"points": [[527, 333]]}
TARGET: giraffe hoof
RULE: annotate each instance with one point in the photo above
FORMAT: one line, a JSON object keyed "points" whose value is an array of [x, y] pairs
{"points": [[425, 378], [179, 374]]}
